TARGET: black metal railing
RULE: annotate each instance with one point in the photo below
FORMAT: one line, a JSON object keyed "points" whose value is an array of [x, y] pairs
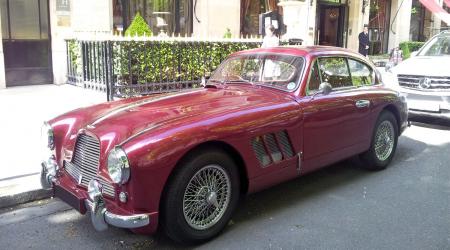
{"points": [[124, 67]]}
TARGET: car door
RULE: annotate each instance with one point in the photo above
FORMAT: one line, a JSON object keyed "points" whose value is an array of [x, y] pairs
{"points": [[332, 128], [363, 77]]}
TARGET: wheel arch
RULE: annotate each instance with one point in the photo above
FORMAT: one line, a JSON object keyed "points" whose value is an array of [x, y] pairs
{"points": [[208, 145], [391, 108]]}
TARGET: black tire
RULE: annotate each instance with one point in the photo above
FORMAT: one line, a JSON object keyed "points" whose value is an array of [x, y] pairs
{"points": [[174, 221], [370, 159]]}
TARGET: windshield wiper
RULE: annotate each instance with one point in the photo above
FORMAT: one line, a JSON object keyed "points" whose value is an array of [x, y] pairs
{"points": [[229, 81], [216, 81], [238, 81]]}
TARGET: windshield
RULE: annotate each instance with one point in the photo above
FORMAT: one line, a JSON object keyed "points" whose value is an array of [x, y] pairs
{"points": [[438, 46], [277, 71]]}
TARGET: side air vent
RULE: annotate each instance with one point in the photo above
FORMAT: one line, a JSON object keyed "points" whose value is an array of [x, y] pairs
{"points": [[286, 146], [272, 148], [260, 151]]}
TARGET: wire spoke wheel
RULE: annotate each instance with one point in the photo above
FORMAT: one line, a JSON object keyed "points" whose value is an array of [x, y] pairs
{"points": [[384, 140], [206, 197]]}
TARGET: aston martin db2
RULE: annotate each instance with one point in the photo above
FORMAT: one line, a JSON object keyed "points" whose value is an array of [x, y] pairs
{"points": [[181, 161]]}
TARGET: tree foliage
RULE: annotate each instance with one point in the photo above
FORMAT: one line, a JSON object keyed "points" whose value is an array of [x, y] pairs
{"points": [[409, 46]]}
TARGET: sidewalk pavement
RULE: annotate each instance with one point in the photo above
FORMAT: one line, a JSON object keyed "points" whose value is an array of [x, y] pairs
{"points": [[22, 113]]}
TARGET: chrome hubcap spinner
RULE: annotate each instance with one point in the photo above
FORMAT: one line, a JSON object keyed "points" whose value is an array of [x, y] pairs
{"points": [[206, 197], [384, 140]]}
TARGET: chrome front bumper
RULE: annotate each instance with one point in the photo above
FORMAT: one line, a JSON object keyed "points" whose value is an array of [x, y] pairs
{"points": [[100, 216], [427, 104]]}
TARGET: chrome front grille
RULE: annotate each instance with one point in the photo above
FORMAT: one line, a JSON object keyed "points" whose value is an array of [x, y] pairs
{"points": [[85, 161], [424, 82]]}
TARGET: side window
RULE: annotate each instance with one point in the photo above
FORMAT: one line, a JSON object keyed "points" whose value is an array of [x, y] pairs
{"points": [[362, 75], [334, 71], [314, 79]]}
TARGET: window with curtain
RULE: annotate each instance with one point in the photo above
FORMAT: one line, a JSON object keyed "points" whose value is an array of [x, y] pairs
{"points": [[169, 16], [379, 17], [250, 10], [24, 19]]}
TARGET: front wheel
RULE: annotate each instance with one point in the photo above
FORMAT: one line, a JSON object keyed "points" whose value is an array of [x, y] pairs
{"points": [[384, 143], [201, 197]]}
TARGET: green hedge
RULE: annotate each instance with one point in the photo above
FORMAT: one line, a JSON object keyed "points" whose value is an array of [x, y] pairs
{"points": [[408, 47], [151, 61], [169, 61]]}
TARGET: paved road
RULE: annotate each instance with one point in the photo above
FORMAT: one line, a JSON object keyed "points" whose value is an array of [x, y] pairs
{"points": [[407, 206]]}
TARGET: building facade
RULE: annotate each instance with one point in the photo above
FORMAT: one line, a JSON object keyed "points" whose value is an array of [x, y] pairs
{"points": [[33, 49]]}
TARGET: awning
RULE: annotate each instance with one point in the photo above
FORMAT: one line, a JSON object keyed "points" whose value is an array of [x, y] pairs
{"points": [[447, 2], [437, 10]]}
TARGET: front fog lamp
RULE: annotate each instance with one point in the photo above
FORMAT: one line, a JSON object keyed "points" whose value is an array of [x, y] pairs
{"points": [[47, 136], [118, 166]]}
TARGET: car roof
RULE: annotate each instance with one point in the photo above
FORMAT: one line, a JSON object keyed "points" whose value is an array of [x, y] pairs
{"points": [[296, 50]]}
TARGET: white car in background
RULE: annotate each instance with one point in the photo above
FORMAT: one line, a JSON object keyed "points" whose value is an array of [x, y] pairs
{"points": [[424, 79]]}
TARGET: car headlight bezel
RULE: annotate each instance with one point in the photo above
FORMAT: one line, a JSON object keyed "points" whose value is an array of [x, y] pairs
{"points": [[48, 137], [118, 166]]}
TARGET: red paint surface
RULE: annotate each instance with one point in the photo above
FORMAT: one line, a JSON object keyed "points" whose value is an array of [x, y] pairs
{"points": [[157, 131]]}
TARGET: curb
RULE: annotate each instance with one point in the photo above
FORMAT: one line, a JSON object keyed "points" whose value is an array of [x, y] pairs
{"points": [[25, 197]]}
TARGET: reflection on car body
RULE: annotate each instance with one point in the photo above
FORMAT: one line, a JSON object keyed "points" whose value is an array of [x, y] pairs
{"points": [[182, 160]]}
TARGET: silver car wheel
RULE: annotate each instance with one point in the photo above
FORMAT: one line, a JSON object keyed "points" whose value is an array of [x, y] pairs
{"points": [[206, 197], [384, 140]]}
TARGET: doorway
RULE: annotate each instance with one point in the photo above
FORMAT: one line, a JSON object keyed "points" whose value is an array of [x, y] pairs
{"points": [[26, 42], [379, 20], [331, 25]]}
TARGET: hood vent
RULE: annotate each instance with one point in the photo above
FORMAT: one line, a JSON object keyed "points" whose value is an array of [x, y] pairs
{"points": [[272, 148]]}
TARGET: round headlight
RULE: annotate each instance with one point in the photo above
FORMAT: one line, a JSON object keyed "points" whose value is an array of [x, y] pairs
{"points": [[47, 136], [118, 166]]}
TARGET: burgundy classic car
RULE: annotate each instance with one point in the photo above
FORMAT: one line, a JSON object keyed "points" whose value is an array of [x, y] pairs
{"points": [[181, 161]]}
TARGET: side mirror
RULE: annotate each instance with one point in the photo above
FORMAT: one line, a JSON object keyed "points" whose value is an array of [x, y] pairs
{"points": [[325, 88], [414, 53]]}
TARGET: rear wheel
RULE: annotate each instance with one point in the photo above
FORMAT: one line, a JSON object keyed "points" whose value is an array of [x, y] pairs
{"points": [[384, 143], [201, 197]]}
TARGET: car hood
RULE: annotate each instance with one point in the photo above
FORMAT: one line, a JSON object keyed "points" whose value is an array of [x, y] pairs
{"points": [[117, 122], [424, 65]]}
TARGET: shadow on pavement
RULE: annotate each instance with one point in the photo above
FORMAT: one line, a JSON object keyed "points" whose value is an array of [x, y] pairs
{"points": [[434, 123], [259, 206]]}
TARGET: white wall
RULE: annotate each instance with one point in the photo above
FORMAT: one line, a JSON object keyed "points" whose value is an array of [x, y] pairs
{"points": [[310, 22], [401, 24], [356, 21], [216, 16], [58, 34], [299, 17], [85, 16], [92, 15]]}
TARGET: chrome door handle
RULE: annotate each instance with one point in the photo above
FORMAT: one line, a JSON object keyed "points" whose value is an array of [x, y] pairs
{"points": [[362, 103]]}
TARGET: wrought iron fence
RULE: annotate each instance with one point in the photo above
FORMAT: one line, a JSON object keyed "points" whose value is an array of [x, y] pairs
{"points": [[129, 67]]}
